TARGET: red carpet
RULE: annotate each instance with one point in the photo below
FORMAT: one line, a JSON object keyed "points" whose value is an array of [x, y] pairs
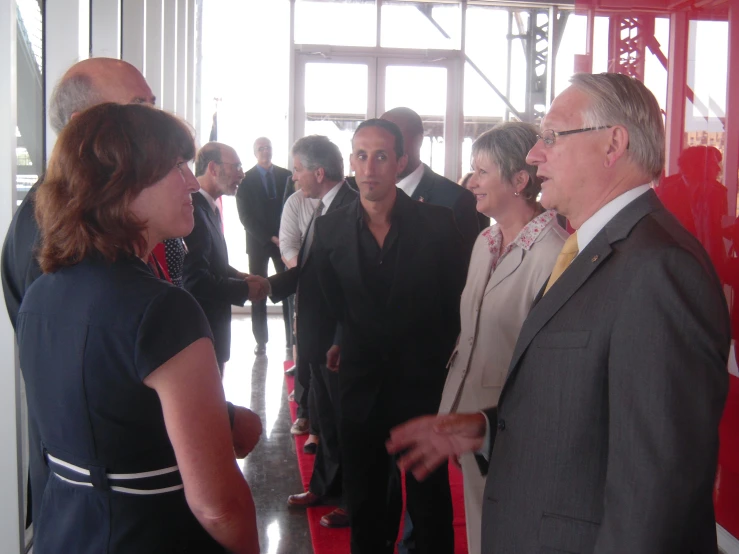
{"points": [[336, 541]]}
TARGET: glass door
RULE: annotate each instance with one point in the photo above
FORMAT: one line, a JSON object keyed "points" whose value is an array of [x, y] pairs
{"points": [[334, 92], [332, 97], [423, 87]]}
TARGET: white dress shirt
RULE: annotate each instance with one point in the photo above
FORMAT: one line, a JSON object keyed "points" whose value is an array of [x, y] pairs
{"points": [[409, 183], [329, 196], [210, 199], [296, 216], [595, 223]]}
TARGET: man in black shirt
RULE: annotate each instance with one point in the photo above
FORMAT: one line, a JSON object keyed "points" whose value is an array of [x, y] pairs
{"points": [[392, 271]]}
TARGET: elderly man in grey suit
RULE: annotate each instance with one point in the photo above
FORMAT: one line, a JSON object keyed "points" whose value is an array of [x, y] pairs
{"points": [[605, 436]]}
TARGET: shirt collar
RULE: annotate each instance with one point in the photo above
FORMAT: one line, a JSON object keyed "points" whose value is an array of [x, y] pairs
{"points": [[409, 183], [587, 231], [402, 201], [263, 171], [330, 195], [209, 198], [526, 237]]}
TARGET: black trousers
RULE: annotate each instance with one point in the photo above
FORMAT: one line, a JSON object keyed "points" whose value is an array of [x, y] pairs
{"points": [[325, 409], [367, 470], [304, 393], [258, 262]]}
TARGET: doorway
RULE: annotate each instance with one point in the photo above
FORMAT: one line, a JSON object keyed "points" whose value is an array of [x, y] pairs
{"points": [[336, 90]]}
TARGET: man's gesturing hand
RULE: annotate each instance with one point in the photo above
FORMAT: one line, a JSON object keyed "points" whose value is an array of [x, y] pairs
{"points": [[424, 443]]}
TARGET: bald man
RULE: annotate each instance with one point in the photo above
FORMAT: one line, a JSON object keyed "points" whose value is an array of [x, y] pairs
{"points": [[85, 84]]}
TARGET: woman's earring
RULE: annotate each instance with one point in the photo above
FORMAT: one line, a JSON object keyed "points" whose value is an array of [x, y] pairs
{"points": [[516, 193]]}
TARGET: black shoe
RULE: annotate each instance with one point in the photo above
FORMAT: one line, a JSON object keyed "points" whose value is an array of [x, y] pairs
{"points": [[290, 372], [260, 349], [310, 448]]}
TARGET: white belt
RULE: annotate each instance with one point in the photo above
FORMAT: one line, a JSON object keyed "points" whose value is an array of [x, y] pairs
{"points": [[118, 477]]}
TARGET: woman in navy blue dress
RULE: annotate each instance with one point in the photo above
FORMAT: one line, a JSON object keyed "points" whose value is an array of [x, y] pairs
{"points": [[120, 369]]}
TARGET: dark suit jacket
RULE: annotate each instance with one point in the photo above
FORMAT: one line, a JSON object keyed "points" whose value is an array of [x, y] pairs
{"points": [[260, 224], [207, 275], [404, 344], [19, 265], [315, 325], [437, 190], [607, 425]]}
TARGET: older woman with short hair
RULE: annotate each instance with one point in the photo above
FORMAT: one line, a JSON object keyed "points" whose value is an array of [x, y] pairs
{"points": [[510, 263], [120, 369]]}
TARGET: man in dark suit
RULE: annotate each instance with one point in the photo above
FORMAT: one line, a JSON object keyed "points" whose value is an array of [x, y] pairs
{"points": [[206, 272], [84, 85], [419, 182], [605, 436], [319, 172], [259, 200], [392, 271]]}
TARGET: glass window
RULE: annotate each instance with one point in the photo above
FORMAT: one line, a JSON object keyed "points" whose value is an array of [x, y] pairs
{"points": [[409, 86], [329, 110], [246, 73], [420, 25], [30, 150], [572, 43], [340, 22]]}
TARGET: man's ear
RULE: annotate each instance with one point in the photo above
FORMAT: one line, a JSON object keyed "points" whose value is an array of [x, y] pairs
{"points": [[617, 145], [212, 169], [417, 142], [351, 162], [320, 174], [402, 162]]}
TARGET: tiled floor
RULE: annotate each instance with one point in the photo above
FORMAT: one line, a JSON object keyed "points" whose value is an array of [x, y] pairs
{"points": [[272, 468]]}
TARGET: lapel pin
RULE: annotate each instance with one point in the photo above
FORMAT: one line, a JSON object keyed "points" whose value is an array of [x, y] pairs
{"points": [[421, 199], [594, 258]]}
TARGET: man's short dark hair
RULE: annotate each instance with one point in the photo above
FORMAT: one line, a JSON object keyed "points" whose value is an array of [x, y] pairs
{"points": [[388, 126]]}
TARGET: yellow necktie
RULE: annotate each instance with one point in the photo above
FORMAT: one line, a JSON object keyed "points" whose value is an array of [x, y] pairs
{"points": [[566, 255]]}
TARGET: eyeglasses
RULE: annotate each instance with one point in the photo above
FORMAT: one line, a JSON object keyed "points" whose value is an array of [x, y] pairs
{"points": [[237, 165], [549, 137], [264, 148]]}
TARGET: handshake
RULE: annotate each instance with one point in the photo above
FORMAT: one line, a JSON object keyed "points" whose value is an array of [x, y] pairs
{"points": [[259, 287]]}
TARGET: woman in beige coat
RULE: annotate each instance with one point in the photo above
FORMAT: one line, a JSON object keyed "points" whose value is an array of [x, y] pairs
{"points": [[510, 262]]}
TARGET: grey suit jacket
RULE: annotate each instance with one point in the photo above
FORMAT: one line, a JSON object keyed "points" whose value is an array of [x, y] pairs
{"points": [[607, 425]]}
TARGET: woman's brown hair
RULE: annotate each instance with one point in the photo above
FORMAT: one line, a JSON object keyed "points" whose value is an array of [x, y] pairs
{"points": [[102, 160]]}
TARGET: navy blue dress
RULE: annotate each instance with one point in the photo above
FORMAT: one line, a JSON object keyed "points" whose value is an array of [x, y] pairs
{"points": [[88, 335]]}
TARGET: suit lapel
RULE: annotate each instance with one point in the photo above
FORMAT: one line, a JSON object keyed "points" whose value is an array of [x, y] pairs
{"points": [[343, 196], [590, 259], [507, 265], [407, 247], [424, 190], [215, 225]]}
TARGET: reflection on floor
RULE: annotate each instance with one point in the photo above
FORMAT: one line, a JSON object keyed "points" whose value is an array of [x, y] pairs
{"points": [[271, 469]]}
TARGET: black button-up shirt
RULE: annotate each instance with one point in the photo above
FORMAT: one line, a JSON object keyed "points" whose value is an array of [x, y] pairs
{"points": [[378, 264]]}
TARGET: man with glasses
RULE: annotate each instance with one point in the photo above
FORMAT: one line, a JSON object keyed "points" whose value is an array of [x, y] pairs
{"points": [[259, 200], [605, 435], [206, 273]]}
